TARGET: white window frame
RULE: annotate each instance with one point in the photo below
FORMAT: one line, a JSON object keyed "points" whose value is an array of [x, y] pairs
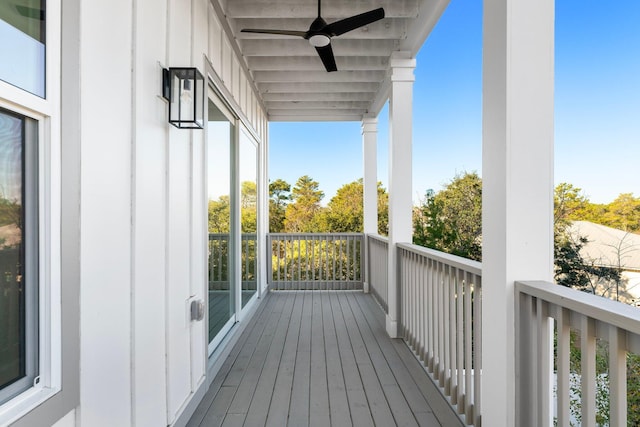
{"points": [[46, 112]]}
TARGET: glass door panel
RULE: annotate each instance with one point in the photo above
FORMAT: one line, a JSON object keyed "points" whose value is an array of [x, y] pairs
{"points": [[248, 215], [222, 292]]}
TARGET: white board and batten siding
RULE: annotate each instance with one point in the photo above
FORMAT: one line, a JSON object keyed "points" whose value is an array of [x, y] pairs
{"points": [[143, 209]]}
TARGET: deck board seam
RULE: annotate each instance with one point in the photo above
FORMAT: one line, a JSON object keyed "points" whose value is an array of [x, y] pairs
{"points": [[376, 385], [296, 316], [337, 310], [228, 364], [376, 330], [280, 335], [407, 356], [373, 364], [257, 359]]}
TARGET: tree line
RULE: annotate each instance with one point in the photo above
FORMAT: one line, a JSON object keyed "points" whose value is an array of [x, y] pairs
{"points": [[299, 209]]}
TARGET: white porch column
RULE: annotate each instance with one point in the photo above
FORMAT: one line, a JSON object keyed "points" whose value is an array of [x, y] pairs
{"points": [[370, 170], [400, 176], [370, 184], [517, 172]]}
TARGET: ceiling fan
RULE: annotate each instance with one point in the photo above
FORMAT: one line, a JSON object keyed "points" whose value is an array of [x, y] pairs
{"points": [[319, 33]]}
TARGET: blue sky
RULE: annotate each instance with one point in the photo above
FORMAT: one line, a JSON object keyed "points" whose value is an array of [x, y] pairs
{"points": [[597, 108]]}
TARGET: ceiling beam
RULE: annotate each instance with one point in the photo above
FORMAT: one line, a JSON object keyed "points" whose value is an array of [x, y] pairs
{"points": [[301, 47], [320, 76], [319, 96], [315, 115], [317, 105], [330, 9], [313, 63], [318, 87]]}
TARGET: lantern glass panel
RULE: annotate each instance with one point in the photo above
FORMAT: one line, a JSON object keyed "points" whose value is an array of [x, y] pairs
{"points": [[186, 105]]}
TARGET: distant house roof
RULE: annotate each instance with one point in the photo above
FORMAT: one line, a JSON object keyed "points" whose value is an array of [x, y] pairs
{"points": [[607, 246]]}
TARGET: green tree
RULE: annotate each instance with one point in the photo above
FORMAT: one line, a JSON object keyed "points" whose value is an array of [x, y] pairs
{"points": [[279, 196], [623, 213], [569, 204], [383, 210], [248, 206], [451, 220], [345, 211], [302, 215], [219, 215]]}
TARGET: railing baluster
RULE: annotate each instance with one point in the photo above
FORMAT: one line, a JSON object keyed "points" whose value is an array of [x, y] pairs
{"points": [[422, 309], [562, 362], [432, 315], [477, 352], [468, 351], [617, 377], [544, 355], [460, 344], [446, 330], [588, 372]]}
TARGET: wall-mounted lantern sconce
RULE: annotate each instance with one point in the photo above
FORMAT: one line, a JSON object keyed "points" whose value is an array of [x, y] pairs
{"points": [[184, 89]]}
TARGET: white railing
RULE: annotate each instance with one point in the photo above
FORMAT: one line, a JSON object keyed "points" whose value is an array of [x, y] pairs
{"points": [[439, 315], [219, 261], [310, 261], [583, 324], [378, 266]]}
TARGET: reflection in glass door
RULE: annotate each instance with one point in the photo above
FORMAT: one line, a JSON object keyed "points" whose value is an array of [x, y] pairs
{"points": [[248, 215], [222, 292]]}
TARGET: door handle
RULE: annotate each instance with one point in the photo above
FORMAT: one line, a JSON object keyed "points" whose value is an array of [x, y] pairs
{"points": [[197, 310]]}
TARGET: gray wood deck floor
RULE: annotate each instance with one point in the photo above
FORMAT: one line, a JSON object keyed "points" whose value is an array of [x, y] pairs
{"points": [[321, 358]]}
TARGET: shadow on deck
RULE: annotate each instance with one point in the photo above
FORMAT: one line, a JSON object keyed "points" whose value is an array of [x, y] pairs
{"points": [[321, 358]]}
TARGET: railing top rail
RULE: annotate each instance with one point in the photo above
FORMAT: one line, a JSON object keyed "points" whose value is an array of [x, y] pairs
{"points": [[473, 267], [599, 308], [316, 234], [378, 237], [228, 234]]}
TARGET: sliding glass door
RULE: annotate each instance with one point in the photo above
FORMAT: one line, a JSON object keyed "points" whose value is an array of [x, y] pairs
{"points": [[248, 172], [232, 174], [222, 291]]}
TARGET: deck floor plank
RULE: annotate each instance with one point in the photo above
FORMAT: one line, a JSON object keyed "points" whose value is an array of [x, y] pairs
{"points": [[321, 358], [338, 402], [397, 401], [380, 410], [358, 404], [279, 407], [300, 400], [319, 414], [247, 387], [259, 407], [415, 399], [203, 408], [439, 408]]}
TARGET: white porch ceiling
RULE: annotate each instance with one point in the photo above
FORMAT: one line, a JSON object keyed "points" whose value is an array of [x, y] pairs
{"points": [[287, 72]]}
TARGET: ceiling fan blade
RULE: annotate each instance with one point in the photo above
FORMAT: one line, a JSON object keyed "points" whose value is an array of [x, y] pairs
{"points": [[357, 21], [326, 55], [275, 32]]}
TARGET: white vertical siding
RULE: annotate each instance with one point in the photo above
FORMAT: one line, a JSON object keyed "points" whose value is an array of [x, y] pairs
{"points": [[215, 40], [178, 369], [149, 238], [143, 208], [106, 124], [199, 237]]}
